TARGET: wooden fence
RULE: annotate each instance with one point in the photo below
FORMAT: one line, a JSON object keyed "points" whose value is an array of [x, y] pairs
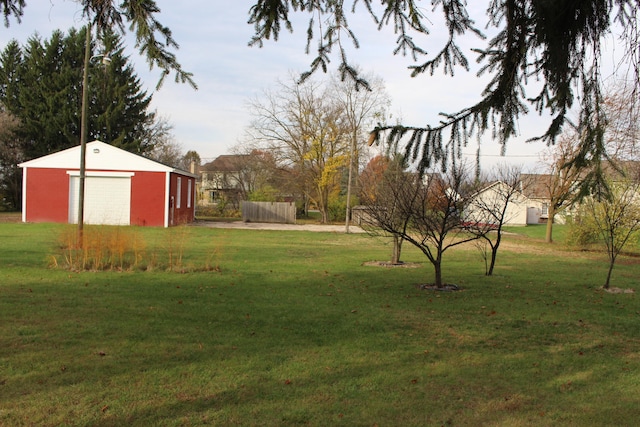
{"points": [[279, 212]]}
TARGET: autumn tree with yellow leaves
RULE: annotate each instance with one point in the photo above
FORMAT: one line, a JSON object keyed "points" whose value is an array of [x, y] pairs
{"points": [[315, 130]]}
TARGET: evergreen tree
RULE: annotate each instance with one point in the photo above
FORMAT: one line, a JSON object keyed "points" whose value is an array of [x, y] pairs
{"points": [[41, 85], [49, 96], [119, 107], [153, 40], [10, 156], [10, 74]]}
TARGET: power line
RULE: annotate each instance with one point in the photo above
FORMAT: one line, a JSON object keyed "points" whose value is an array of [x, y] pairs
{"points": [[500, 155]]}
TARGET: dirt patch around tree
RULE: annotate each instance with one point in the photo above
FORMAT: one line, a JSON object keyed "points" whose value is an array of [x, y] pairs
{"points": [[447, 287], [613, 290], [388, 264]]}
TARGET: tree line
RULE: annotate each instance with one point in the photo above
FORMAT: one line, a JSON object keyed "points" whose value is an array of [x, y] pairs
{"points": [[311, 134], [60, 68], [438, 208], [41, 97]]}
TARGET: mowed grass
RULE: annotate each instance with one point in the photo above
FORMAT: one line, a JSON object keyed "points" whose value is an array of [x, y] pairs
{"points": [[294, 330]]}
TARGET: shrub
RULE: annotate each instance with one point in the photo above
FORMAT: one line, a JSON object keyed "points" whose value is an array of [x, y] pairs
{"points": [[582, 231], [337, 208], [102, 248]]}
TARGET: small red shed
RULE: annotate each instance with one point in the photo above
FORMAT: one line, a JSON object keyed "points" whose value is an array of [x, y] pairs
{"points": [[121, 188]]}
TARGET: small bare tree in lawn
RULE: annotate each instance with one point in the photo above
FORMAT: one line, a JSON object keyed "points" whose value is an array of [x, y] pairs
{"points": [[499, 201], [615, 220], [426, 213], [380, 184]]}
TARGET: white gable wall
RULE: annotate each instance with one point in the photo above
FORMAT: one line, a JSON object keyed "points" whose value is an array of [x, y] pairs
{"points": [[99, 156], [492, 196]]}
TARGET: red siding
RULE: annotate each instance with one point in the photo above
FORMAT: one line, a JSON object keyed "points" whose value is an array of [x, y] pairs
{"points": [[184, 213], [47, 195], [147, 198]]}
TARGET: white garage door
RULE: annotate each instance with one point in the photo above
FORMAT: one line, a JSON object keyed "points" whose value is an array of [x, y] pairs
{"points": [[107, 200]]}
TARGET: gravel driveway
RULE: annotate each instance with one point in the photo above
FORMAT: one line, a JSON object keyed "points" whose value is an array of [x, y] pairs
{"points": [[274, 226]]}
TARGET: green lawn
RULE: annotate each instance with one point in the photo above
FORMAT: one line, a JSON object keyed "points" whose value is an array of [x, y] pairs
{"points": [[538, 231], [292, 329]]}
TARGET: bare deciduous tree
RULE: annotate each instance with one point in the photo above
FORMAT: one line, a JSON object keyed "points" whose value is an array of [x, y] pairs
{"points": [[567, 178], [165, 149], [381, 184], [494, 205], [622, 107], [301, 128], [362, 110], [615, 220], [425, 210], [256, 174], [558, 187]]}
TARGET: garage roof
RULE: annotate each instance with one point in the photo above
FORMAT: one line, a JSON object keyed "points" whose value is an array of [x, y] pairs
{"points": [[100, 156]]}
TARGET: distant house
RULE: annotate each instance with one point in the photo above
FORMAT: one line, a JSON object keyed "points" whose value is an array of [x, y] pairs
{"points": [[121, 188], [538, 188], [492, 198], [529, 203], [220, 179]]}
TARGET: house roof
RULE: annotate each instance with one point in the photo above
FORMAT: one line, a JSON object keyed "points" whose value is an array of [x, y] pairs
{"points": [[100, 156], [224, 163], [487, 187], [502, 184], [536, 186], [629, 167]]}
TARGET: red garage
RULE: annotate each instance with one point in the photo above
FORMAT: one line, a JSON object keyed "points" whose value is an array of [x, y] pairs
{"points": [[121, 188]]}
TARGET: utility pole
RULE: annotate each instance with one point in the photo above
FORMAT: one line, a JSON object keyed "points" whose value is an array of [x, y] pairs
{"points": [[84, 134], [351, 152]]}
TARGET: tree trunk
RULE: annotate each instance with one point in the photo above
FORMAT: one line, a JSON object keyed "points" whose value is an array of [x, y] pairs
{"points": [[397, 249], [552, 214], [437, 266], [323, 204], [494, 253], [325, 215], [611, 263]]}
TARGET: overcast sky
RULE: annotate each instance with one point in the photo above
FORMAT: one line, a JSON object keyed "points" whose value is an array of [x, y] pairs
{"points": [[213, 37]]}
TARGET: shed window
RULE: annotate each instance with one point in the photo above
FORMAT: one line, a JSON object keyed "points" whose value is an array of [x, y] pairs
{"points": [[188, 193], [545, 209], [178, 192]]}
